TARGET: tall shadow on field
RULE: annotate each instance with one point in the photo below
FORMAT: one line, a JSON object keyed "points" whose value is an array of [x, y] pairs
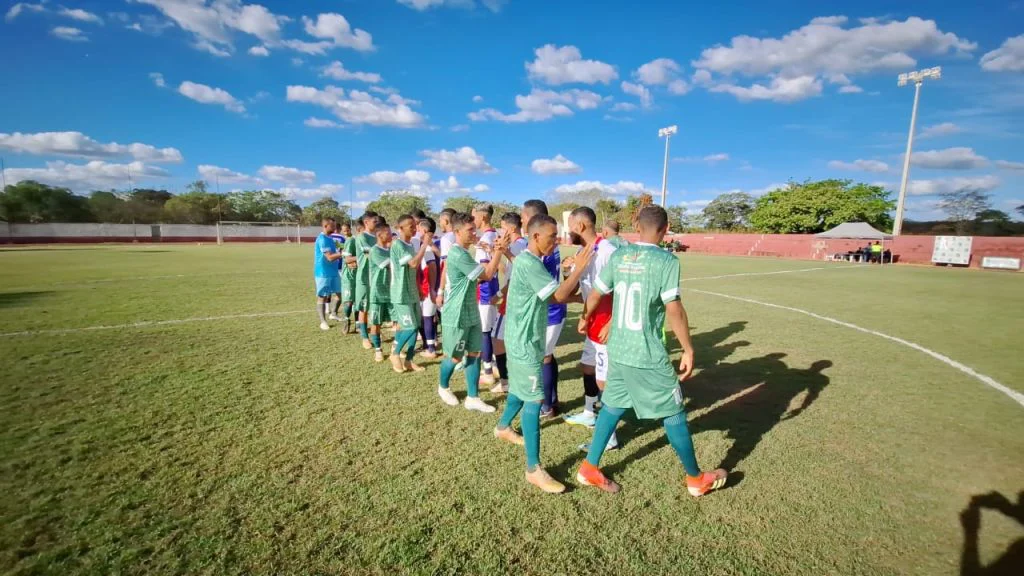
{"points": [[748, 398], [1012, 560], [11, 299]]}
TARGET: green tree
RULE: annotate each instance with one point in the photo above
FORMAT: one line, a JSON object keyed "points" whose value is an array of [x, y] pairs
{"points": [[30, 201], [195, 208], [461, 203], [262, 206], [392, 204], [198, 186], [323, 208], [606, 208], [146, 206], [812, 207], [692, 222], [729, 211], [1020, 209], [108, 207], [587, 197], [963, 206]]}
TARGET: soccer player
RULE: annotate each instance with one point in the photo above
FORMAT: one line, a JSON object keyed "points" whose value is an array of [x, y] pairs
{"points": [[645, 281], [361, 261], [610, 231], [447, 240], [348, 275], [460, 316], [346, 229], [594, 363], [487, 291], [511, 230], [405, 294], [325, 270], [556, 317], [379, 264], [339, 244], [529, 290], [426, 281]]}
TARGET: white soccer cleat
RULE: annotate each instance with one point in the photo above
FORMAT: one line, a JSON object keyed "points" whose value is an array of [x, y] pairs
{"points": [[500, 388], [325, 326], [479, 405], [487, 379], [447, 397], [334, 318]]}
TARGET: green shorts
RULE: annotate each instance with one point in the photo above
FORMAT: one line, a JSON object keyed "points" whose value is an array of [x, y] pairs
{"points": [[651, 392], [362, 299], [461, 340], [378, 313], [407, 316], [526, 380], [348, 287]]}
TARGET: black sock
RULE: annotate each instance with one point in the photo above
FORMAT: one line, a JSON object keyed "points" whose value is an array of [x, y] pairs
{"points": [[502, 361], [590, 385]]}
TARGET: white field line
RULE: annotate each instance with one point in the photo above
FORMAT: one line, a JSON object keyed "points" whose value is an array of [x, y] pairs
{"points": [[988, 381], [774, 273], [148, 324]]}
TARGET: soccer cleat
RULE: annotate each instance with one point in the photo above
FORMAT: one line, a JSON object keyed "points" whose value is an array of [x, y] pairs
{"points": [[334, 318], [613, 444], [429, 354], [590, 475], [346, 326], [584, 418], [545, 482], [475, 403], [396, 364], [500, 388], [413, 367], [367, 345], [486, 378], [549, 414], [509, 435], [706, 482], [325, 326], [447, 397], [378, 356]]}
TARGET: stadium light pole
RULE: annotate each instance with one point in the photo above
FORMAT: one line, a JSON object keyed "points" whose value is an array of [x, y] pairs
{"points": [[917, 78], [667, 134]]}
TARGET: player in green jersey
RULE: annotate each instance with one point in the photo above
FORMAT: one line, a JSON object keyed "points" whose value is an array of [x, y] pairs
{"points": [[529, 290], [360, 261], [405, 293], [460, 317], [348, 275], [379, 265], [610, 231], [645, 281]]}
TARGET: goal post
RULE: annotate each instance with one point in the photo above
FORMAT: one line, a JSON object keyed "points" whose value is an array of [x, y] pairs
{"points": [[238, 231]]}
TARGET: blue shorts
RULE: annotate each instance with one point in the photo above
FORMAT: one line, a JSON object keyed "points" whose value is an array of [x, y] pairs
{"points": [[327, 286]]}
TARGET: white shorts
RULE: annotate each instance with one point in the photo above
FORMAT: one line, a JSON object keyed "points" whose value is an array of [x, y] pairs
{"points": [[499, 327], [488, 314], [596, 355], [551, 338], [428, 306]]}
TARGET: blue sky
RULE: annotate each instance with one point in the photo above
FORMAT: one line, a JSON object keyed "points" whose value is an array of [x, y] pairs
{"points": [[510, 99]]}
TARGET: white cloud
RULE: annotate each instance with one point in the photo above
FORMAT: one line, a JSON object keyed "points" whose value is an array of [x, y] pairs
{"points": [[540, 105], [359, 107], [958, 158], [287, 174], [795, 62], [614, 118], [389, 178], [478, 99], [678, 87], [1007, 165], [217, 174], [624, 107], [944, 185], [481, 188], [322, 123], [862, 165], [779, 90], [212, 22], [335, 27], [557, 165], [209, 95], [422, 5], [1007, 58], [158, 79], [944, 129], [337, 71], [620, 188], [318, 48], [638, 90], [20, 7], [78, 145], [708, 159], [459, 128], [657, 72], [296, 61], [259, 51], [93, 175], [694, 206], [69, 33], [321, 191], [713, 158], [363, 194], [851, 89], [829, 20], [565, 65], [80, 15], [464, 160]]}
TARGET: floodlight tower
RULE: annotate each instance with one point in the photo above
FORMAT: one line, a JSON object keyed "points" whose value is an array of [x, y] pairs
{"points": [[667, 134], [917, 78]]}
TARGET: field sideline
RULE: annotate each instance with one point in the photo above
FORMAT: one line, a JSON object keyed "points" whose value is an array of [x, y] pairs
{"points": [[175, 409]]}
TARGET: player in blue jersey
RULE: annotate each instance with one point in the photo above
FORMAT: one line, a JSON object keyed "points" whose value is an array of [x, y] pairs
{"points": [[487, 290], [334, 305], [326, 257]]}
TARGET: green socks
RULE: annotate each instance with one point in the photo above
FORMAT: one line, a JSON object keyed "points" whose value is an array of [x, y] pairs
{"points": [[531, 434], [607, 419], [361, 326], [512, 407], [679, 437], [447, 369], [473, 376], [375, 340]]}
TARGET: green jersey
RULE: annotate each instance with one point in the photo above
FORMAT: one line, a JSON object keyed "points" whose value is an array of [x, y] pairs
{"points": [[362, 247], [617, 241], [403, 277], [529, 288], [349, 274], [461, 273], [380, 275], [644, 278]]}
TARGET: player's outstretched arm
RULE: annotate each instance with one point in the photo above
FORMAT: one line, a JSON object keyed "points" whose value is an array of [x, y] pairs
{"points": [[425, 243], [567, 290], [495, 251], [675, 313]]}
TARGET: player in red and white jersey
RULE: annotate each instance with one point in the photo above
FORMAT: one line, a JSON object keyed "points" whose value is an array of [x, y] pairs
{"points": [[511, 228]]}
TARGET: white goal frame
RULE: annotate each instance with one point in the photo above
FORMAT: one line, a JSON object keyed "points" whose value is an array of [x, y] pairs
{"points": [[289, 231]]}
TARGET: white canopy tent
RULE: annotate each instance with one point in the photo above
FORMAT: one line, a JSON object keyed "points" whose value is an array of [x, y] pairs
{"points": [[857, 231]]}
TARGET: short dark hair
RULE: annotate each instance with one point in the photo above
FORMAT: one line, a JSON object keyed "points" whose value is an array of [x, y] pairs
{"points": [[360, 225], [585, 213], [540, 220], [512, 219], [449, 212], [379, 221], [325, 220], [418, 214], [652, 217], [485, 208], [428, 223], [612, 225], [535, 206], [367, 215], [461, 219], [404, 218]]}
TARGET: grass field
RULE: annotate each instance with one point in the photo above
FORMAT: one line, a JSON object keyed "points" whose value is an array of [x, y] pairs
{"points": [[175, 409]]}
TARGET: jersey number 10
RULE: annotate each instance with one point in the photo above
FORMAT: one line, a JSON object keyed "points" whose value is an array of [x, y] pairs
{"points": [[630, 314]]}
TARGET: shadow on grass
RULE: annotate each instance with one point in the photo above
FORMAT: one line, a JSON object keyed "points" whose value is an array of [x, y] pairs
{"points": [[1012, 560], [11, 299]]}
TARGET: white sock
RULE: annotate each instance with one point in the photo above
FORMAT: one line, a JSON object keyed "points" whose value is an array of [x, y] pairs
{"points": [[589, 402]]}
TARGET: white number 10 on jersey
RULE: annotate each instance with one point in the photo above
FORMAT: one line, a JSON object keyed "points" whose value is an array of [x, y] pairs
{"points": [[630, 314]]}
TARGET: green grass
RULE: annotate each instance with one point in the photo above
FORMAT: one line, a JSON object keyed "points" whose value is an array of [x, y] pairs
{"points": [[261, 445]]}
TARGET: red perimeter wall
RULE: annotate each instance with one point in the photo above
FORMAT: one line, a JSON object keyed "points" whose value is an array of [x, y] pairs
{"points": [[907, 249]]}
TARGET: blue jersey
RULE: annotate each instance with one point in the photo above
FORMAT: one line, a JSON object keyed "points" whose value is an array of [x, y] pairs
{"points": [[322, 267], [553, 263], [339, 240]]}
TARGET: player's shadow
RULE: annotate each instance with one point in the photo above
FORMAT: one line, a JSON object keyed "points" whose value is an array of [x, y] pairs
{"points": [[12, 299], [1012, 560], [747, 399]]}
